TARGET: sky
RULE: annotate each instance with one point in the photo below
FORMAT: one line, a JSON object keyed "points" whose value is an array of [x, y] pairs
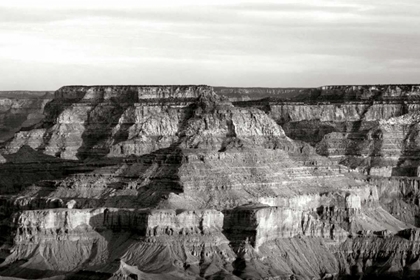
{"points": [[258, 43]]}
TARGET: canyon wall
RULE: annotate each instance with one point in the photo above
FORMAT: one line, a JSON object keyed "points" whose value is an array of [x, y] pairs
{"points": [[372, 128], [21, 109], [195, 182]]}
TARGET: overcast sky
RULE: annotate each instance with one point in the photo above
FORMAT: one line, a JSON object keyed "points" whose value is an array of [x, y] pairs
{"points": [[47, 44]]}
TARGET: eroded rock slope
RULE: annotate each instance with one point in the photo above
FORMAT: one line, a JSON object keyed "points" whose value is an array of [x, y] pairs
{"points": [[177, 182]]}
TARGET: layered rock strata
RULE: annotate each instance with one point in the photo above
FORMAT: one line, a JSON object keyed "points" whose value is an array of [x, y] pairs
{"points": [[370, 127], [19, 110], [176, 182]]}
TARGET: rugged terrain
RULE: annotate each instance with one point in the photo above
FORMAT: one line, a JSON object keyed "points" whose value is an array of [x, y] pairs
{"points": [[195, 182], [21, 110]]}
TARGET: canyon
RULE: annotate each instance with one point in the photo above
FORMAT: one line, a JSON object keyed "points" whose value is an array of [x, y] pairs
{"points": [[201, 182]]}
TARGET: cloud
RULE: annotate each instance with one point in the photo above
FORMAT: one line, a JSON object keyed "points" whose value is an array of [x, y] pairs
{"points": [[254, 43]]}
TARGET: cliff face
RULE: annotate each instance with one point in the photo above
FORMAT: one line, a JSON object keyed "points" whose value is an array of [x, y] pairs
{"points": [[177, 182], [256, 93], [366, 127], [94, 121], [19, 110]]}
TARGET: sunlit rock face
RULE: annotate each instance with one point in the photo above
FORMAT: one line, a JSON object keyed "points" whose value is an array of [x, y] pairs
{"points": [[179, 182], [94, 121], [367, 127]]}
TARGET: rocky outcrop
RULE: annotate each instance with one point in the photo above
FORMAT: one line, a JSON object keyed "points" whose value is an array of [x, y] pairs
{"points": [[34, 224], [181, 244], [260, 224], [399, 196]]}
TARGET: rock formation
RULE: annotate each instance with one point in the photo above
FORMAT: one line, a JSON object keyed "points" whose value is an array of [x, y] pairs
{"points": [[20, 109], [192, 182]]}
